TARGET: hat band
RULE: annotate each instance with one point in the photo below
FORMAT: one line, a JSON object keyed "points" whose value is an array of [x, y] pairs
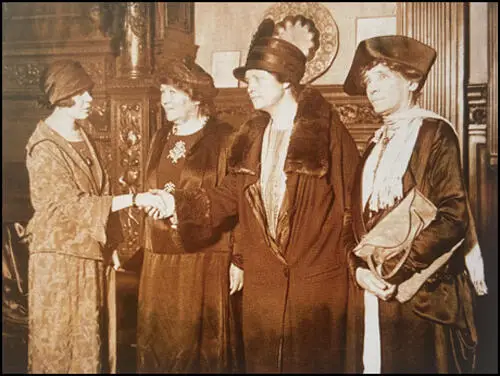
{"points": [[290, 67]]}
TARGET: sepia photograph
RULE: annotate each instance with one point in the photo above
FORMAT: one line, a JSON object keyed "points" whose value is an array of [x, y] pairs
{"points": [[249, 187]]}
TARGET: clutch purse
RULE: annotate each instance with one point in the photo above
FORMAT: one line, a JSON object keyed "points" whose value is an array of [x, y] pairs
{"points": [[393, 235]]}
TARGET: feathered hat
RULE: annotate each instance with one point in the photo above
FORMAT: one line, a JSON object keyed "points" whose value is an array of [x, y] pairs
{"points": [[295, 40]]}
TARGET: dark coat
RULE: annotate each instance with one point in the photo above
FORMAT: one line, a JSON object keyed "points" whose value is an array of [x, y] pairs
{"points": [[434, 331], [295, 292], [186, 321]]}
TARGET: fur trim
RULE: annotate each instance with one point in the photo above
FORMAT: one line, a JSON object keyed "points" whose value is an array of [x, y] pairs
{"points": [[308, 151]]}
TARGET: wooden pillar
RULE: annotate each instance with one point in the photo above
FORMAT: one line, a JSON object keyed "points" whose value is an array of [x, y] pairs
{"points": [[135, 103], [493, 84], [136, 54], [135, 114], [440, 25]]}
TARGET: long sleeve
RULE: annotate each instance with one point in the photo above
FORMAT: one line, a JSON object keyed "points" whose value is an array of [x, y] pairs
{"points": [[201, 211], [349, 158], [55, 193], [447, 192]]}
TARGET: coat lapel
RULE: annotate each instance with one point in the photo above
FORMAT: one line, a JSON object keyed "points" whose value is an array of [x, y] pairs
{"points": [[308, 154], [155, 152]]}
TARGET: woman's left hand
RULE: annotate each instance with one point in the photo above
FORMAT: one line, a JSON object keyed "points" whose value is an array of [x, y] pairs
{"points": [[235, 279]]}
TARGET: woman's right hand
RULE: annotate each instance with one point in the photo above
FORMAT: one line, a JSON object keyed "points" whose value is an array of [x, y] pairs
{"points": [[368, 281], [167, 207], [152, 203]]}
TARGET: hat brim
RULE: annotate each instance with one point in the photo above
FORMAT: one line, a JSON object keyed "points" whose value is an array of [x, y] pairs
{"points": [[239, 73], [398, 49]]}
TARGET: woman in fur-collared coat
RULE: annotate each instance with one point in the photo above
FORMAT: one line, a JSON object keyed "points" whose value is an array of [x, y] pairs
{"points": [[433, 331], [186, 322], [290, 171]]}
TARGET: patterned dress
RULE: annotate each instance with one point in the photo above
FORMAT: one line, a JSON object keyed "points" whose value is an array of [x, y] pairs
{"points": [[67, 265]]}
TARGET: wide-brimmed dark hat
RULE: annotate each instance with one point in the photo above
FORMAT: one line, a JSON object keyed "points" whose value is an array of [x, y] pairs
{"points": [[275, 56], [391, 48], [188, 76], [64, 79]]}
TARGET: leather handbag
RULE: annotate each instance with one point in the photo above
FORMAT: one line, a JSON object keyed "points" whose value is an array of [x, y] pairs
{"points": [[393, 236]]}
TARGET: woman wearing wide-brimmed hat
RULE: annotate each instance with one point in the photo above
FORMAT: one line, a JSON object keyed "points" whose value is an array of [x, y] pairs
{"points": [[432, 331], [186, 322], [70, 231], [291, 167]]}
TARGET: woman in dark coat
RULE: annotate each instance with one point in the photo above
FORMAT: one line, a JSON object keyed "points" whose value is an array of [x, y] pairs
{"points": [[185, 322], [434, 331], [291, 167]]}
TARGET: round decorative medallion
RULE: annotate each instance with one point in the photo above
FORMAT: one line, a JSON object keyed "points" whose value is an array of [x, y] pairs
{"points": [[324, 23]]}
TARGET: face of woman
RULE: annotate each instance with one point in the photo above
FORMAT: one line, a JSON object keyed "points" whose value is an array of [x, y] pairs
{"points": [[177, 104], [264, 89], [387, 90], [81, 109]]}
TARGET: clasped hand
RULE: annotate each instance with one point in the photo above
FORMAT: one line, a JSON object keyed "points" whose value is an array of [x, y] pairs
{"points": [[157, 203], [368, 281]]}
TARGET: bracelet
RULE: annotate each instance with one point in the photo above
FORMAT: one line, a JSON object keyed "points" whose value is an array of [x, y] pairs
{"points": [[134, 196]]}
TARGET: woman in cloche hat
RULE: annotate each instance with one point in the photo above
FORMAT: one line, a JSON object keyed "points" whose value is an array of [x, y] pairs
{"points": [[290, 170], [71, 237], [433, 331]]}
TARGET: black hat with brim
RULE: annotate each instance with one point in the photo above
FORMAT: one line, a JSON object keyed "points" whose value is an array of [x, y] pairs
{"points": [[275, 56]]}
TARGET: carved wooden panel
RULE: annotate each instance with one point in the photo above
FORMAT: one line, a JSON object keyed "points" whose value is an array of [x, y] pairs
{"points": [[476, 132], [22, 74], [134, 115]]}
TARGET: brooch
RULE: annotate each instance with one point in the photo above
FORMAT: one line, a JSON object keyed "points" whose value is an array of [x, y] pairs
{"points": [[177, 152]]}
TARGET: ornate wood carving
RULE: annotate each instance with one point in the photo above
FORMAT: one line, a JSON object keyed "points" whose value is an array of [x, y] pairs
{"points": [[129, 147], [128, 169], [134, 104], [55, 21], [100, 117], [23, 74], [478, 124]]}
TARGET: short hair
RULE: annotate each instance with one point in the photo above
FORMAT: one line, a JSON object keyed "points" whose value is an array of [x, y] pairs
{"points": [[44, 102], [295, 87]]}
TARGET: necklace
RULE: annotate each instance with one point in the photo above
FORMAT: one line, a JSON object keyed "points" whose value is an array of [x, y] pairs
{"points": [[385, 141]]}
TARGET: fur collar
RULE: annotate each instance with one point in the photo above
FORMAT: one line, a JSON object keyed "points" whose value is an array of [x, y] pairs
{"points": [[308, 150]]}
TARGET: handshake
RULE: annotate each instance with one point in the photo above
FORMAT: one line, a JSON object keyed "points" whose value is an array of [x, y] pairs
{"points": [[157, 203]]}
